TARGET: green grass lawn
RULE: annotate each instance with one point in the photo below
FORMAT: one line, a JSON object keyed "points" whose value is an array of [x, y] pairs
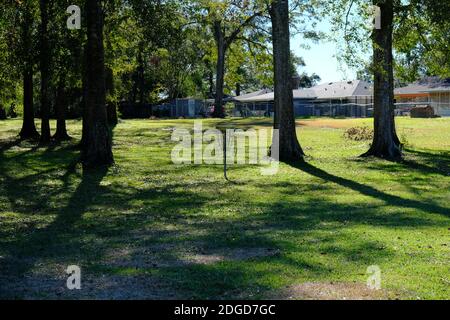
{"points": [[149, 229]]}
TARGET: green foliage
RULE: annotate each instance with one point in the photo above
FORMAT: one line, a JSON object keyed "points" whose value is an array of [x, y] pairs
{"points": [[421, 40], [421, 36]]}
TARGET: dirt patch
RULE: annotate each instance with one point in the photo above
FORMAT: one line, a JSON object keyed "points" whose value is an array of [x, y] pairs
{"points": [[327, 123], [206, 258], [111, 287], [162, 256], [332, 291]]}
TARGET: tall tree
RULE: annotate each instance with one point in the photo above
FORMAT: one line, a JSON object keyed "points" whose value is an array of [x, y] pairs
{"points": [[97, 145], [350, 17], [386, 143], [290, 149], [26, 52], [67, 67], [45, 56], [228, 20]]}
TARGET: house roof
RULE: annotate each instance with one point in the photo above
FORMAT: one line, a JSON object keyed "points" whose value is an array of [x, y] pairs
{"points": [[430, 84], [343, 89], [304, 94], [247, 96], [334, 90], [268, 96]]}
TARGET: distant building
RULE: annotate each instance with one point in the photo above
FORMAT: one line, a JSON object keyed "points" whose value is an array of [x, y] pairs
{"points": [[336, 99], [344, 99], [432, 91], [350, 99], [183, 108]]}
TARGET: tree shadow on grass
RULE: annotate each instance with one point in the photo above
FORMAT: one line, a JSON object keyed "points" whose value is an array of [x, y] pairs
{"points": [[53, 238], [146, 230], [274, 235], [429, 162], [424, 163], [5, 145], [370, 191]]}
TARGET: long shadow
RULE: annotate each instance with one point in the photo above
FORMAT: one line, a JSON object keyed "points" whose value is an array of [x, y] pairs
{"points": [[145, 212], [5, 146], [36, 246], [435, 163], [370, 191]]}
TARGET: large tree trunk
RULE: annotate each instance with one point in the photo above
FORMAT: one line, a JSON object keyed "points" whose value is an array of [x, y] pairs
{"points": [[386, 143], [85, 128], [61, 112], [45, 56], [290, 149], [220, 69], [28, 127], [97, 149]]}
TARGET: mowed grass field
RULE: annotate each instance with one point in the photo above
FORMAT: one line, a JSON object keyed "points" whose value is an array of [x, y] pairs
{"points": [[149, 229]]}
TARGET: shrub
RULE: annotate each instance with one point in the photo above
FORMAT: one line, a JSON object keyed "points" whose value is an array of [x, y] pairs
{"points": [[359, 134]]}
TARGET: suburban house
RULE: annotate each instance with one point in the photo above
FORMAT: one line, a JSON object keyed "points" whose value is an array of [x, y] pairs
{"points": [[336, 99], [432, 91], [350, 99]]}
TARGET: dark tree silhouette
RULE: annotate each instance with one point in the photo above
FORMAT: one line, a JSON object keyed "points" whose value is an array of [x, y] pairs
{"points": [[97, 144], [45, 56], [61, 112], [28, 127]]}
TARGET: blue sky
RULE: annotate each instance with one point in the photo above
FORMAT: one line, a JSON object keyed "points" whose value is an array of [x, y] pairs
{"points": [[320, 58]]}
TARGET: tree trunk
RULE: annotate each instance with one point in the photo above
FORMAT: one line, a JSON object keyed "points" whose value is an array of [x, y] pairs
{"points": [[45, 56], [28, 127], [84, 82], [220, 69], [211, 84], [97, 149], [386, 143], [290, 149], [140, 85], [61, 112]]}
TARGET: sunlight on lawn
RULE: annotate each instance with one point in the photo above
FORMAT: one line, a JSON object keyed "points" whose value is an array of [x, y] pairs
{"points": [[148, 228]]}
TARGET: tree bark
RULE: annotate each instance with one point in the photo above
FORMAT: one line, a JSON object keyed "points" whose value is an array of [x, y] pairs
{"points": [[97, 149], [211, 83], [61, 113], [85, 128], [45, 56], [28, 127], [220, 69], [140, 75], [290, 149], [386, 143]]}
